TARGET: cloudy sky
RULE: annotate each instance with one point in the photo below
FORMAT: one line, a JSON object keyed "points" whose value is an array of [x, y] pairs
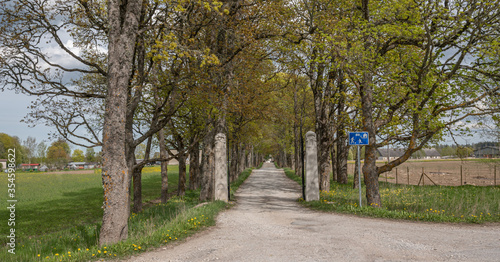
{"points": [[13, 108]]}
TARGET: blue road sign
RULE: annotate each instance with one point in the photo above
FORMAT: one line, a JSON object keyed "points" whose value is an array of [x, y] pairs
{"points": [[358, 138]]}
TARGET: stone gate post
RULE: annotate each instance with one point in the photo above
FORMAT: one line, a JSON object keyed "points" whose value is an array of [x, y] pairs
{"points": [[312, 179], [220, 168]]}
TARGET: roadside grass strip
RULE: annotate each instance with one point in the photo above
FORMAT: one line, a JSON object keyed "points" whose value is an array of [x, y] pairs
{"points": [[462, 204], [68, 238]]}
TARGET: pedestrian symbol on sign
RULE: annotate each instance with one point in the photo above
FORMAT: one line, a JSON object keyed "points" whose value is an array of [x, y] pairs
{"points": [[358, 138]]}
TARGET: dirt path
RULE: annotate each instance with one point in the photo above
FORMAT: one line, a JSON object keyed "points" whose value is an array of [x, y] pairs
{"points": [[268, 225]]}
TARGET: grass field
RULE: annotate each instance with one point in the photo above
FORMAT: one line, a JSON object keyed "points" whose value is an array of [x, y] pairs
{"points": [[58, 217], [468, 204], [47, 202]]}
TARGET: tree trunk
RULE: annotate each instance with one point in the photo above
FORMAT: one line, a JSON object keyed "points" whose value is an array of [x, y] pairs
{"points": [[323, 110], [334, 163], [137, 177], [248, 161], [234, 161], [181, 186], [342, 140], [194, 166], [164, 166], [324, 167], [123, 29], [241, 164], [366, 92], [296, 134], [369, 168], [208, 168], [342, 154]]}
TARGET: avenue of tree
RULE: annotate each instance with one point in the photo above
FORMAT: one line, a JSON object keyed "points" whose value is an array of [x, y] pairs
{"points": [[145, 74]]}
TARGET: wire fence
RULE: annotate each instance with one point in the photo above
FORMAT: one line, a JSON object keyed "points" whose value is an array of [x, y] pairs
{"points": [[445, 173]]}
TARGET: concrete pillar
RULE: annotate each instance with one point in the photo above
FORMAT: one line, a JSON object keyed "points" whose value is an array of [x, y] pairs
{"points": [[312, 179], [220, 168]]}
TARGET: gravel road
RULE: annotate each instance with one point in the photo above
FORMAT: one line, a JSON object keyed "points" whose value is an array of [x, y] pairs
{"points": [[267, 224]]}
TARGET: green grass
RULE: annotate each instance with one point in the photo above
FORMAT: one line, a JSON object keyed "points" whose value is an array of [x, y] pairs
{"points": [[463, 204], [239, 181], [291, 174], [486, 160], [58, 217]]}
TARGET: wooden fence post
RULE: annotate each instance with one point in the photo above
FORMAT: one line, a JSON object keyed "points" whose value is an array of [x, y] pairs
{"points": [[423, 178], [461, 175], [408, 174]]}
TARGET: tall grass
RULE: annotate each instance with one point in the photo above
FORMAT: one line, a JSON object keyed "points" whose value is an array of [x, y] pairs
{"points": [[469, 204]]}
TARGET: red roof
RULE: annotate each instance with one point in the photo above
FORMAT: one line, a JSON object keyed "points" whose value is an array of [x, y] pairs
{"points": [[30, 164]]}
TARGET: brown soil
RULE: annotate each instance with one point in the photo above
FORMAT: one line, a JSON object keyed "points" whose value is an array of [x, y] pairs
{"points": [[446, 173]]}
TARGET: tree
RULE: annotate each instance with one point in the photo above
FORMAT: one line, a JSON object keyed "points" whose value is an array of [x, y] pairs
{"points": [[58, 153], [464, 152], [11, 142], [90, 155], [140, 151], [78, 156], [41, 152], [30, 147]]}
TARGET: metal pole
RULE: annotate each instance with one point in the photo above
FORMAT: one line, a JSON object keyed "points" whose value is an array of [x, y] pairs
{"points": [[461, 175], [408, 174], [359, 175], [303, 164]]}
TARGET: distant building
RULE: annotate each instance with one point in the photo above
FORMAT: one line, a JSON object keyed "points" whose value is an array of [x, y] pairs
{"points": [[82, 165], [394, 153], [29, 167], [391, 153], [487, 152], [431, 153]]}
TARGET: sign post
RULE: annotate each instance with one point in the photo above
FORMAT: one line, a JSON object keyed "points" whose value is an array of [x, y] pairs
{"points": [[359, 139]]}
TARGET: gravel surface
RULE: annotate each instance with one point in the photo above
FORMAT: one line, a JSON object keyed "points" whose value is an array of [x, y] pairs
{"points": [[267, 224]]}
